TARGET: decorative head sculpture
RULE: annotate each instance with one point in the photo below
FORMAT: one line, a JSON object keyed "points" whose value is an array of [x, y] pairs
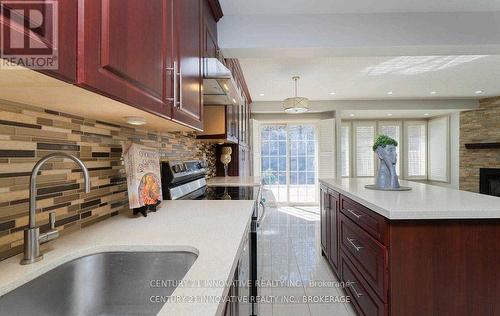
{"points": [[385, 148]]}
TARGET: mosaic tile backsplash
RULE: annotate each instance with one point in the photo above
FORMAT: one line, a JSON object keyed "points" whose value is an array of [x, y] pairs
{"points": [[28, 133]]}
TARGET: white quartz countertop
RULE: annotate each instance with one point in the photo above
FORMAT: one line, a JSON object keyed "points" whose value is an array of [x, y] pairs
{"points": [[424, 201], [234, 181], [214, 230]]}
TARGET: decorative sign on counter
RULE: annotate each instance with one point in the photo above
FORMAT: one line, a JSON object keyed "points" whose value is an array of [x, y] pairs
{"points": [[142, 165]]}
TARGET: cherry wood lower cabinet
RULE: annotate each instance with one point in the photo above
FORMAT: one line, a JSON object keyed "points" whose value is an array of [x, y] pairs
{"points": [[411, 267], [329, 226], [325, 214], [333, 252]]}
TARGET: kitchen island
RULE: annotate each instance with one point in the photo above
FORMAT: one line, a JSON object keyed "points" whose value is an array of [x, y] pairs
{"points": [[177, 226], [234, 181], [428, 251]]}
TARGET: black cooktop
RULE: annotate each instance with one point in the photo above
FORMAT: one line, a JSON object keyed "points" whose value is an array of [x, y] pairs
{"points": [[230, 193]]}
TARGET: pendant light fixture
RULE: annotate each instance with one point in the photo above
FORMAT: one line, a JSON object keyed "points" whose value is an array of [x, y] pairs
{"points": [[296, 104]]}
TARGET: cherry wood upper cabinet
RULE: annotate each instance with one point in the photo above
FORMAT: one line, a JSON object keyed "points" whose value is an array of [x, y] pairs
{"points": [[188, 106], [124, 47], [211, 48], [36, 26]]}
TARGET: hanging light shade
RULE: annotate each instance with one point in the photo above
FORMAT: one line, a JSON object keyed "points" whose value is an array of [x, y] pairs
{"points": [[296, 104]]}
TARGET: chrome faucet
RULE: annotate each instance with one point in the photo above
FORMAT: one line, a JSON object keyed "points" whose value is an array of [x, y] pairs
{"points": [[32, 236]]}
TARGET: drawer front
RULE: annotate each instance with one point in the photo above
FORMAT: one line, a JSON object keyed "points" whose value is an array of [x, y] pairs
{"points": [[364, 300], [369, 256], [373, 223]]}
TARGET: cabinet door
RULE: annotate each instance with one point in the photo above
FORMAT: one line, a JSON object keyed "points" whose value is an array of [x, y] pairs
{"points": [[325, 204], [242, 124], [33, 26], [124, 51], [334, 232], [188, 108], [231, 123], [244, 161]]}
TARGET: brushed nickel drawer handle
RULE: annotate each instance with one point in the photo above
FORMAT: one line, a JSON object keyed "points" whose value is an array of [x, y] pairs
{"points": [[351, 241], [358, 294], [353, 213]]}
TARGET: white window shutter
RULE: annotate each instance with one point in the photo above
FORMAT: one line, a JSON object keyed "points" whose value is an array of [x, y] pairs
{"points": [[345, 140], [256, 147], [438, 129], [364, 158], [416, 149], [326, 149]]}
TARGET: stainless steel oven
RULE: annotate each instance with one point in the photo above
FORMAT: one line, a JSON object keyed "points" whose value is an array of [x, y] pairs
{"points": [[186, 180]]}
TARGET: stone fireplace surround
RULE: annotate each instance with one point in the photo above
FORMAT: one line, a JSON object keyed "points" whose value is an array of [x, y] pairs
{"points": [[479, 126]]}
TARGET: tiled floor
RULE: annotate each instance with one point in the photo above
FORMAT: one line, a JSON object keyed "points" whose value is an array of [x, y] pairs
{"points": [[290, 262]]}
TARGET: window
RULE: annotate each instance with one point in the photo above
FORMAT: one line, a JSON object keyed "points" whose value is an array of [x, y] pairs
{"points": [[345, 139], [273, 156], [302, 163], [288, 162], [423, 148], [393, 130], [416, 149], [438, 129], [364, 136]]}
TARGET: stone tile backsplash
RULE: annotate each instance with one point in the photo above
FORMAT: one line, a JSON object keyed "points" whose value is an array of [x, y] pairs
{"points": [[28, 133]]}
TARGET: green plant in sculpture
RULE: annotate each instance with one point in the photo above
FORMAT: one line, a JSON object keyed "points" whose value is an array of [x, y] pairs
{"points": [[384, 140]]}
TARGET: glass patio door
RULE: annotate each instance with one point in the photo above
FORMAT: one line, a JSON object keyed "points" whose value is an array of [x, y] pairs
{"points": [[288, 162]]}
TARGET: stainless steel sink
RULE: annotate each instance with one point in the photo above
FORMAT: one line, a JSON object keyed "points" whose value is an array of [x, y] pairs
{"points": [[110, 283]]}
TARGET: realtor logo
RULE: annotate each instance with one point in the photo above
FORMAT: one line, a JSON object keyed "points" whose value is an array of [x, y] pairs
{"points": [[29, 34]]}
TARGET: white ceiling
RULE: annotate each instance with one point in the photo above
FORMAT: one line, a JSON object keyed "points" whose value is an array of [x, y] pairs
{"points": [[365, 78], [246, 7], [363, 49]]}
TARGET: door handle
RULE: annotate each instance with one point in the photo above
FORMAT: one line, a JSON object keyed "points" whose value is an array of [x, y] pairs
{"points": [[358, 294], [353, 213], [174, 72], [351, 241], [179, 81]]}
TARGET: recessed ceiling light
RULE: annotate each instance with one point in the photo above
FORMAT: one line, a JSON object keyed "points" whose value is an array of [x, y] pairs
{"points": [[261, 94], [426, 114], [135, 120], [478, 91], [234, 100], [332, 93], [389, 114], [390, 93], [433, 92], [351, 115]]}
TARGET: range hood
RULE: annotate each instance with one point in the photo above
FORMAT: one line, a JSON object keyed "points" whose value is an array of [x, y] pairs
{"points": [[219, 86]]}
